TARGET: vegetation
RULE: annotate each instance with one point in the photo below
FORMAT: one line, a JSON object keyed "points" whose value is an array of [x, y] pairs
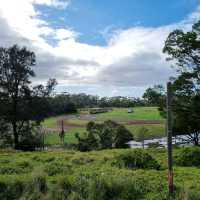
{"points": [[142, 135], [189, 157], [139, 113], [22, 106], [154, 96], [137, 159], [183, 48], [94, 175], [117, 173], [104, 136]]}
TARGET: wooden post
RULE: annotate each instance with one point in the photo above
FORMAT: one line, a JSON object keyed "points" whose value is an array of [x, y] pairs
{"points": [[62, 122], [169, 139], [62, 133]]}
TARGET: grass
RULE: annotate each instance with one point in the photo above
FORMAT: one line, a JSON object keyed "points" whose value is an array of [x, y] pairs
{"points": [[118, 114], [50, 122], [157, 130], [140, 113], [153, 131], [54, 139], [90, 176]]}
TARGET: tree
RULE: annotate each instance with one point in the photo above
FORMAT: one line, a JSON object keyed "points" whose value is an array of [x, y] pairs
{"points": [[107, 135], [142, 134], [154, 96], [21, 105], [183, 49], [5, 135]]}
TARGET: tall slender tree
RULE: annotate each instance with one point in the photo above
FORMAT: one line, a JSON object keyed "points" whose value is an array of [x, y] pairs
{"points": [[18, 99]]}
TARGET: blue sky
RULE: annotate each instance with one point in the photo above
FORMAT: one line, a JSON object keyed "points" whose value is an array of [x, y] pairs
{"points": [[94, 18], [103, 47]]}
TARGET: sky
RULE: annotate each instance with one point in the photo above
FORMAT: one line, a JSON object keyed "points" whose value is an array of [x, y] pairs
{"points": [[101, 47]]}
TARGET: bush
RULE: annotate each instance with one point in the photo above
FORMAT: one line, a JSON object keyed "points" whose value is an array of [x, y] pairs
{"points": [[31, 139], [188, 157], [11, 189], [106, 135], [54, 168], [137, 159]]}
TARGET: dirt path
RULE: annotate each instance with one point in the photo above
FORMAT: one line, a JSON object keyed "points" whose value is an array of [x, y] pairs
{"points": [[144, 122], [68, 125]]}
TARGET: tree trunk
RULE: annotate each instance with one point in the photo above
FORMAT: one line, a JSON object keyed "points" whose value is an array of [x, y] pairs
{"points": [[196, 139], [15, 134]]}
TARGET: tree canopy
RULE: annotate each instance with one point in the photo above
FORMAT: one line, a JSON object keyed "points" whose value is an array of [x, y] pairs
{"points": [[22, 105], [183, 49]]}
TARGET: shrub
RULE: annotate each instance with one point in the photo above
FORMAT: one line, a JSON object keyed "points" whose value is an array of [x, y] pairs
{"points": [[62, 189], [134, 159], [54, 168], [11, 189], [188, 157], [106, 135], [31, 139]]}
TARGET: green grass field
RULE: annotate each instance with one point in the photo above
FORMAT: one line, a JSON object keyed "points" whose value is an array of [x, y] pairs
{"points": [[140, 113], [120, 115], [70, 175], [54, 139]]}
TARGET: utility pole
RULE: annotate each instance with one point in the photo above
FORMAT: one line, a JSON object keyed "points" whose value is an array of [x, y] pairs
{"points": [[169, 139]]}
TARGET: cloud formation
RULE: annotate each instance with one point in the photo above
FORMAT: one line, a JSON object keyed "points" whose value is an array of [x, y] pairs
{"points": [[131, 58]]}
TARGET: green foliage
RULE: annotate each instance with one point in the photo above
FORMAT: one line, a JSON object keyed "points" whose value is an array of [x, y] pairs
{"points": [[188, 157], [70, 175], [20, 103], [31, 138], [183, 49], [104, 136], [154, 96], [5, 134], [54, 168], [137, 159], [61, 104]]}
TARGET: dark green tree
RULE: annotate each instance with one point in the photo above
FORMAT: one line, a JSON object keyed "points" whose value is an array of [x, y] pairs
{"points": [[107, 135], [21, 105], [154, 96], [183, 49]]}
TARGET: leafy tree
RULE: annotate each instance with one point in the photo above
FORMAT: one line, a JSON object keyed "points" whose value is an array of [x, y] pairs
{"points": [[154, 96], [183, 49], [61, 104], [88, 142], [21, 105], [104, 136], [5, 134]]}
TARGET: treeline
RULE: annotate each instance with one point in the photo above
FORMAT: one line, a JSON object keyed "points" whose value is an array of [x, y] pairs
{"points": [[69, 103]]}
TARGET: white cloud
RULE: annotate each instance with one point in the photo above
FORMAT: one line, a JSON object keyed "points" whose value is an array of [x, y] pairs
{"points": [[55, 3], [131, 58], [63, 34]]}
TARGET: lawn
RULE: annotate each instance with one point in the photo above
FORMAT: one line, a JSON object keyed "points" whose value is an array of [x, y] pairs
{"points": [[140, 113], [70, 175]]}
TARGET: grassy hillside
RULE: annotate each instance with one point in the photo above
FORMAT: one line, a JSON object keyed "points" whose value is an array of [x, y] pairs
{"points": [[133, 121], [90, 176]]}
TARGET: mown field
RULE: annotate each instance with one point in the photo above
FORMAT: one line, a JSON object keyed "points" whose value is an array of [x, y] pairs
{"points": [[148, 117], [70, 175]]}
